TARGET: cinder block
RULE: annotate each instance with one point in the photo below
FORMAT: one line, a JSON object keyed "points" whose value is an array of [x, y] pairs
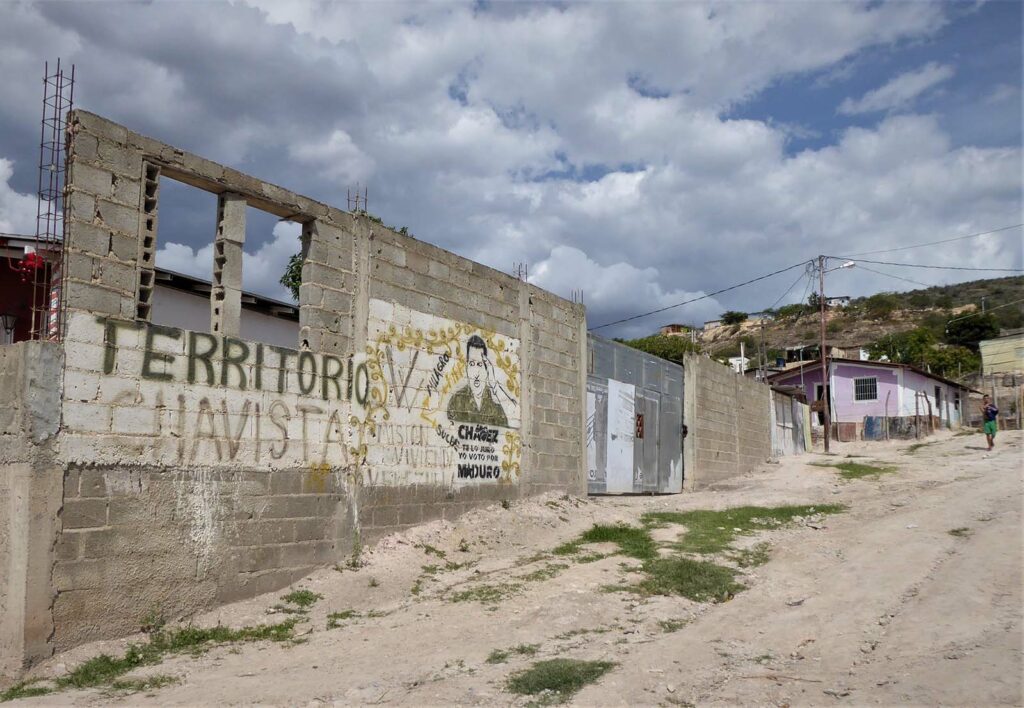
{"points": [[84, 513], [118, 217]]}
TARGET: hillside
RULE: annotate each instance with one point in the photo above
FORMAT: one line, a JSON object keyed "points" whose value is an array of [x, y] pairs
{"points": [[868, 319]]}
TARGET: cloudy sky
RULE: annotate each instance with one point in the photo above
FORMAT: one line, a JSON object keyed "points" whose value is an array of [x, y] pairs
{"points": [[645, 153]]}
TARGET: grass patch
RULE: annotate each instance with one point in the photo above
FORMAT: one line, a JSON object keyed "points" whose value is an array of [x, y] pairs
{"points": [[545, 573], [579, 632], [557, 680], [962, 532], [911, 449], [417, 587], [147, 684], [487, 593], [297, 602], [757, 555], [106, 670], [699, 581], [632, 541], [714, 531], [672, 625], [334, 619], [25, 689], [431, 551], [856, 470], [500, 656]]}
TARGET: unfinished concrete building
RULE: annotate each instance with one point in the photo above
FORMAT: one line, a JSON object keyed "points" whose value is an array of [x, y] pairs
{"points": [[144, 466]]}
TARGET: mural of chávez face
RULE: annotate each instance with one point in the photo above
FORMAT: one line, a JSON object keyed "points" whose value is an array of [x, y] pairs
{"points": [[482, 400]]}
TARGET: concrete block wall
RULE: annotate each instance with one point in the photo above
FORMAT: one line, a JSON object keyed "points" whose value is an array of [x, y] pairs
{"points": [[193, 467], [729, 423]]}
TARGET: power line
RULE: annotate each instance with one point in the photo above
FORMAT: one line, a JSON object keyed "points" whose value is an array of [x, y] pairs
{"points": [[806, 274], [696, 299], [975, 314], [936, 243], [890, 275], [934, 267]]}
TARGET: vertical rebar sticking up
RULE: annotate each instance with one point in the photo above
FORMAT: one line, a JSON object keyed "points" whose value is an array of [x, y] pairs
{"points": [[357, 202], [47, 297]]}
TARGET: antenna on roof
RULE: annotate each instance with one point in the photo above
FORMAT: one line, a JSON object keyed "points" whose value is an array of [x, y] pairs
{"points": [[47, 300]]}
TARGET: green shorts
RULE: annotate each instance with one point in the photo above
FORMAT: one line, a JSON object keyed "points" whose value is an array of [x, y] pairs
{"points": [[991, 428]]}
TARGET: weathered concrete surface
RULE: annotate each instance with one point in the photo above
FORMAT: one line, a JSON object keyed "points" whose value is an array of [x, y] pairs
{"points": [[30, 380], [192, 468], [728, 420]]}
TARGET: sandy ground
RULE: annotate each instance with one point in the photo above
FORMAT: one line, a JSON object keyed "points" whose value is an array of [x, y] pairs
{"points": [[877, 605]]}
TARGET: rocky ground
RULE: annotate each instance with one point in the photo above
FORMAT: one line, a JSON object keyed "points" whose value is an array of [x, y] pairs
{"points": [[912, 595]]}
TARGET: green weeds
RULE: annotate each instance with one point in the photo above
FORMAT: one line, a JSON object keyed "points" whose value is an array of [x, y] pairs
{"points": [[961, 532], [709, 532], [557, 680], [106, 670], [632, 541], [758, 554], [699, 581], [672, 625], [856, 470], [487, 593], [546, 573], [500, 656]]}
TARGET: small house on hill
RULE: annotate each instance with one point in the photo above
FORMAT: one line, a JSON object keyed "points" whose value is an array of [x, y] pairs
{"points": [[861, 389]]}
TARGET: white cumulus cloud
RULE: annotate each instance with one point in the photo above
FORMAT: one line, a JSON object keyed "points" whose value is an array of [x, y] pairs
{"points": [[899, 92]]}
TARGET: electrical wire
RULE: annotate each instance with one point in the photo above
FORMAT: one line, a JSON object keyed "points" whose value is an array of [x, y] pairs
{"points": [[890, 275], [975, 314], [934, 267], [806, 274], [696, 299], [936, 243]]}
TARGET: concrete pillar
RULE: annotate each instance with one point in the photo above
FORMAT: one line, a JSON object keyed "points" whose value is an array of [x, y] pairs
{"points": [[526, 470], [31, 482], [226, 296]]}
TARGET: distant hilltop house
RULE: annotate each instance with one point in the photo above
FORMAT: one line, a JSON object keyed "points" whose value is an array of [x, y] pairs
{"points": [[676, 330], [739, 363], [711, 324]]}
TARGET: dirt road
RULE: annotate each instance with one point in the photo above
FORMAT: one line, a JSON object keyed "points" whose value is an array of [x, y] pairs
{"points": [[879, 604]]}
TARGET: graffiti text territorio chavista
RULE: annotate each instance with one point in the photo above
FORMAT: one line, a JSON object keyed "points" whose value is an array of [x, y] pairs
{"points": [[229, 362]]}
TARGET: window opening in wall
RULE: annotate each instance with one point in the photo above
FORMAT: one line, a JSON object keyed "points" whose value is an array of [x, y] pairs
{"points": [[865, 389], [270, 313], [182, 252]]}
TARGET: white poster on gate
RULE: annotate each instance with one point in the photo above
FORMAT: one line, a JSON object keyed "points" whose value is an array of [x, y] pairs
{"points": [[621, 431], [591, 436]]}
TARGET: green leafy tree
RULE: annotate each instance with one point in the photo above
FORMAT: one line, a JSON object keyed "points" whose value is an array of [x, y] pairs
{"points": [[968, 331], [670, 348], [292, 277], [952, 361], [904, 347], [789, 311], [881, 305], [732, 317]]}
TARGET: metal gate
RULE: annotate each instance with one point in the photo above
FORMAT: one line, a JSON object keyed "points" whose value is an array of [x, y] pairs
{"points": [[634, 421]]}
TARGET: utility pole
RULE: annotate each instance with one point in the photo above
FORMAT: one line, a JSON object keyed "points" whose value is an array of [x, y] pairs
{"points": [[824, 360]]}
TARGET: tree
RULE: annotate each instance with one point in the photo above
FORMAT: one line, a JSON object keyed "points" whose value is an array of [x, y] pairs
{"points": [[968, 331], [292, 277], [814, 301], [670, 348], [904, 347], [787, 311], [732, 317], [881, 305], [953, 361]]}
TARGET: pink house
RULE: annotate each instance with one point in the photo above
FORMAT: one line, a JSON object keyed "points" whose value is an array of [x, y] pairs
{"points": [[858, 389]]}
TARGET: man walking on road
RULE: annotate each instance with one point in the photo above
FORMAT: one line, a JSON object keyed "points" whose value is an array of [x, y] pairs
{"points": [[988, 414]]}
